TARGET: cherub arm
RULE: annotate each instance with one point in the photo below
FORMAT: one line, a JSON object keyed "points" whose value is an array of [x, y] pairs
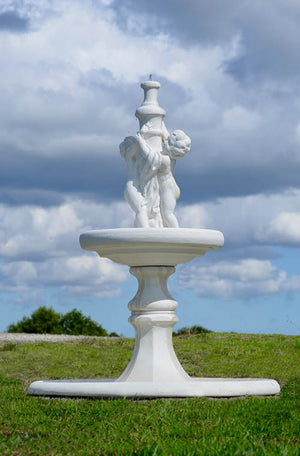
{"points": [[145, 149]]}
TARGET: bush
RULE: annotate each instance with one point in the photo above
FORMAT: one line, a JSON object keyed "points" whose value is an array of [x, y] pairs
{"points": [[75, 323], [193, 331], [46, 321], [42, 321]]}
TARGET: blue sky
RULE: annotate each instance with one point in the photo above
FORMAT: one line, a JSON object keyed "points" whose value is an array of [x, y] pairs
{"points": [[229, 73]]}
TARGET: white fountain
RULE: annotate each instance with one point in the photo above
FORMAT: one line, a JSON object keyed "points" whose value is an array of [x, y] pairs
{"points": [[152, 249]]}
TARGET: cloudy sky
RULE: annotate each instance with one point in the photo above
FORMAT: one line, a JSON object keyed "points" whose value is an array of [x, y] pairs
{"points": [[69, 87]]}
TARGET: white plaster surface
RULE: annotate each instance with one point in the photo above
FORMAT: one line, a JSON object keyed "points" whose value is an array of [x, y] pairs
{"points": [[150, 156], [192, 387], [151, 246], [153, 317]]}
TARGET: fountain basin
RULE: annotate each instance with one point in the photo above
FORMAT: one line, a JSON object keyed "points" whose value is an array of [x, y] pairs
{"points": [[192, 387], [151, 246], [154, 370]]}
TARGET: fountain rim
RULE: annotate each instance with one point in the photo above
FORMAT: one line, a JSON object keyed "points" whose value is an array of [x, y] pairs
{"points": [[184, 236], [151, 246]]}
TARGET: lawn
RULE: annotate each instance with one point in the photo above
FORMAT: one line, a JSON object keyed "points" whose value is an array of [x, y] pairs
{"points": [[201, 426]]}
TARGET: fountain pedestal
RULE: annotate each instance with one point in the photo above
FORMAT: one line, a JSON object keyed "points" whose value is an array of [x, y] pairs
{"points": [[154, 370], [153, 317]]}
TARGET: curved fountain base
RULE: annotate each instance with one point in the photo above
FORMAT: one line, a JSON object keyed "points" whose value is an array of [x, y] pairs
{"points": [[154, 370], [193, 387]]}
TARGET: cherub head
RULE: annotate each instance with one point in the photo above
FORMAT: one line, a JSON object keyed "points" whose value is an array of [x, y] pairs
{"points": [[178, 144]]}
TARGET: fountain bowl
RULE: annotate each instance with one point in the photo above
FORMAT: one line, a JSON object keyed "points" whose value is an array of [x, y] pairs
{"points": [[151, 246]]}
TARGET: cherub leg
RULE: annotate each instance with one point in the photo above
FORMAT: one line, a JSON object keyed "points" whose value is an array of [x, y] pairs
{"points": [[141, 218], [138, 204], [167, 208], [169, 193], [169, 219]]}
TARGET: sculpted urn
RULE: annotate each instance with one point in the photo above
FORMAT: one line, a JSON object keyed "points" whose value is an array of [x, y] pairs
{"points": [[152, 250]]}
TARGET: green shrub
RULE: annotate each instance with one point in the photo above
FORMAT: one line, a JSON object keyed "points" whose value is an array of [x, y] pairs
{"points": [[75, 323], [42, 321], [193, 331], [46, 321]]}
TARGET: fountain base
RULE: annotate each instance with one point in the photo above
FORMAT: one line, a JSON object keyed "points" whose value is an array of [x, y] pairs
{"points": [[193, 387], [154, 370]]}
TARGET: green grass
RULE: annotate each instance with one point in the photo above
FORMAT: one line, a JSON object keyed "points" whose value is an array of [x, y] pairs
{"points": [[200, 426]]}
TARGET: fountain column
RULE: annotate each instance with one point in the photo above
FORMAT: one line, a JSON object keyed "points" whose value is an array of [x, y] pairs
{"points": [[153, 317]]}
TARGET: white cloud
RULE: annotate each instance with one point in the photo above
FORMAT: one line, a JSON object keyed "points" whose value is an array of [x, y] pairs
{"points": [[66, 91], [36, 232], [292, 283], [297, 134], [285, 228], [234, 280], [193, 216], [256, 219], [40, 249], [239, 120], [49, 111], [87, 276], [17, 276]]}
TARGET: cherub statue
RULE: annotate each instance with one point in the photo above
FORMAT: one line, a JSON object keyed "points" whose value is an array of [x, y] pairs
{"points": [[177, 145], [151, 190], [141, 190], [151, 154]]}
